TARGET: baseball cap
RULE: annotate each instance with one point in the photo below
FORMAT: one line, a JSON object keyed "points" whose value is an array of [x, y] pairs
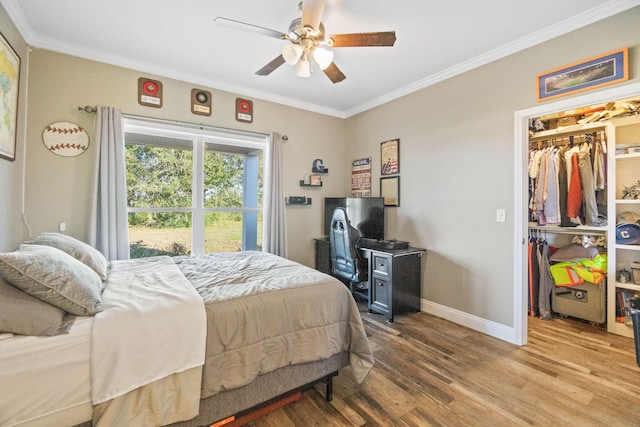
{"points": [[628, 217], [627, 234]]}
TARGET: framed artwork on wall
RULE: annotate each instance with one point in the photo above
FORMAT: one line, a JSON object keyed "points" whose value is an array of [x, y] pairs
{"points": [[361, 177], [612, 67], [9, 83], [390, 190], [390, 157]]}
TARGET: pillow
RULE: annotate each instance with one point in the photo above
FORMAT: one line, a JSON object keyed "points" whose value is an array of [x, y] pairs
{"points": [[55, 277], [20, 313], [77, 249], [573, 253]]}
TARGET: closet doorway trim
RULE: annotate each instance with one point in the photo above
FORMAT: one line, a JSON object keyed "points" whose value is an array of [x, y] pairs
{"points": [[521, 138]]}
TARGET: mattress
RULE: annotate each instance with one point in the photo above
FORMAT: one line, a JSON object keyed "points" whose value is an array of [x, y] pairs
{"points": [[44, 381]]}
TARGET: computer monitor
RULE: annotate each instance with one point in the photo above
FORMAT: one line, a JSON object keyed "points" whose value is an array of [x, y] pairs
{"points": [[365, 213]]}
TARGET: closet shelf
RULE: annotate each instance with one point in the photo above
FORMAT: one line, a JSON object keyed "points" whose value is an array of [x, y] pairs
{"points": [[630, 286], [627, 156], [629, 247], [567, 131], [628, 201], [581, 229]]}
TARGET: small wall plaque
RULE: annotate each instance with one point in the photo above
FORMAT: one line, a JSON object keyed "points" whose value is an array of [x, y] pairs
{"points": [[244, 110], [201, 102], [149, 92]]}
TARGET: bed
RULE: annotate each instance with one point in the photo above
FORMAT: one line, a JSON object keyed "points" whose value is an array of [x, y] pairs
{"points": [[233, 330]]}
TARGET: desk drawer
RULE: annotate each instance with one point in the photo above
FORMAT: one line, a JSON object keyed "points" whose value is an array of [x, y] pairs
{"points": [[381, 264]]}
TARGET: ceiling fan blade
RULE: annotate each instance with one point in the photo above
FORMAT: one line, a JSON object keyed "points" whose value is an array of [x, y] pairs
{"points": [[334, 73], [312, 13], [267, 69], [385, 38], [243, 26]]}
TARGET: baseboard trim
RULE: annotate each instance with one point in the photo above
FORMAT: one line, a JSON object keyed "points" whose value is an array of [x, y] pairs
{"points": [[476, 323]]}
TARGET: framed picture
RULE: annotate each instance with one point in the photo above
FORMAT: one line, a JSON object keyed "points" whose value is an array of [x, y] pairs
{"points": [[390, 157], [612, 67], [9, 82], [315, 180], [390, 190]]}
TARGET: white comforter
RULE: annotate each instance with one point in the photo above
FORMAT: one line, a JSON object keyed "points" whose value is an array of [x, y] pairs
{"points": [[153, 325]]}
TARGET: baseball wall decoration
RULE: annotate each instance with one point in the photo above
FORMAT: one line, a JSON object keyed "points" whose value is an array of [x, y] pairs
{"points": [[149, 92], [65, 139], [201, 102], [244, 110]]}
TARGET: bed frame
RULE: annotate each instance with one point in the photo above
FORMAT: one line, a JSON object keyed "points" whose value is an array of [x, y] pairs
{"points": [[268, 387], [264, 390]]}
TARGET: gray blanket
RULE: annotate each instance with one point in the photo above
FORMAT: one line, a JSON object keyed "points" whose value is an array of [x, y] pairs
{"points": [[265, 312]]}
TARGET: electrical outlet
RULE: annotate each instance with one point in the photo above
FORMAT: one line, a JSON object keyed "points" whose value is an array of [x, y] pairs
{"points": [[62, 227]]}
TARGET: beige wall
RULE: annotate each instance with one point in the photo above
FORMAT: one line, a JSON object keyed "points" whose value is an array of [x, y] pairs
{"points": [[457, 165], [456, 154], [11, 171], [58, 187]]}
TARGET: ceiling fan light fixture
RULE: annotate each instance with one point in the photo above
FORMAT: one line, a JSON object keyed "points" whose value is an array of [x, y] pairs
{"points": [[303, 68], [291, 53], [323, 57]]}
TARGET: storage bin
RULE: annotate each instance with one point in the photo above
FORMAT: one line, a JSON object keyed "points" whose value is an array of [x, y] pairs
{"points": [[635, 268], [586, 301]]}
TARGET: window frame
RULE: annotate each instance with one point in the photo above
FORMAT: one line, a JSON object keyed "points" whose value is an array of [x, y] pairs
{"points": [[200, 136]]}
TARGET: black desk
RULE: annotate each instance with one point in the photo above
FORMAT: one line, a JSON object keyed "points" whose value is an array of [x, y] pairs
{"points": [[394, 277]]}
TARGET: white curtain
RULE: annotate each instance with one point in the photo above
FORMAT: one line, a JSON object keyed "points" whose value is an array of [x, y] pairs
{"points": [[108, 227], [275, 218]]}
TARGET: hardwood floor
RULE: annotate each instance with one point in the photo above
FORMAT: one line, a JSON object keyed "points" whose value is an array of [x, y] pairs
{"points": [[433, 372]]}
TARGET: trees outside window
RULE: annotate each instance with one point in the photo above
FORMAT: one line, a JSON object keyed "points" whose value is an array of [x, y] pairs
{"points": [[192, 190]]}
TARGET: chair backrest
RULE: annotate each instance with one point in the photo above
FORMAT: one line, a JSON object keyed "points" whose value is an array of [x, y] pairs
{"points": [[345, 259]]}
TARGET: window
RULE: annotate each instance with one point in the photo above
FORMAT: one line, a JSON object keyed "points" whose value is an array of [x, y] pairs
{"points": [[192, 189]]}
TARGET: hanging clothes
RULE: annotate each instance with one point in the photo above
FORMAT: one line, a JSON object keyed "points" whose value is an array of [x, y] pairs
{"points": [[588, 187], [541, 188], [551, 201], [574, 195], [534, 277], [563, 188], [567, 183], [546, 283]]}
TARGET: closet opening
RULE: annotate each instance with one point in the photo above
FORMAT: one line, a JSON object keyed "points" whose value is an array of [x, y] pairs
{"points": [[584, 124]]}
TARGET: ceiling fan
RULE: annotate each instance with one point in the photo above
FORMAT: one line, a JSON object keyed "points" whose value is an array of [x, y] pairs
{"points": [[308, 43]]}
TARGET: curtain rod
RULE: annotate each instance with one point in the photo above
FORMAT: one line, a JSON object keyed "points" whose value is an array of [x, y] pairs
{"points": [[89, 109], [193, 125]]}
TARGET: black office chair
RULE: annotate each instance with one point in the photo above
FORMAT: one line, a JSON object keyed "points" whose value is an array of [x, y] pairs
{"points": [[346, 262]]}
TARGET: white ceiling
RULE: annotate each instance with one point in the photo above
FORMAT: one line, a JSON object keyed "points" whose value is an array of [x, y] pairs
{"points": [[178, 39]]}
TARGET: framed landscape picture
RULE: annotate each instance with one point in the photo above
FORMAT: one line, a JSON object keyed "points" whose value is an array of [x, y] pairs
{"points": [[612, 67], [9, 82]]}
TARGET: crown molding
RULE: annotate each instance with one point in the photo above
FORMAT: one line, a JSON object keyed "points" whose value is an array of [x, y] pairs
{"points": [[603, 11]]}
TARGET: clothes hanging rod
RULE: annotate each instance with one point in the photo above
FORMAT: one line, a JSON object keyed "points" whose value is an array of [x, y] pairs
{"points": [[561, 134], [565, 140], [569, 230]]}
